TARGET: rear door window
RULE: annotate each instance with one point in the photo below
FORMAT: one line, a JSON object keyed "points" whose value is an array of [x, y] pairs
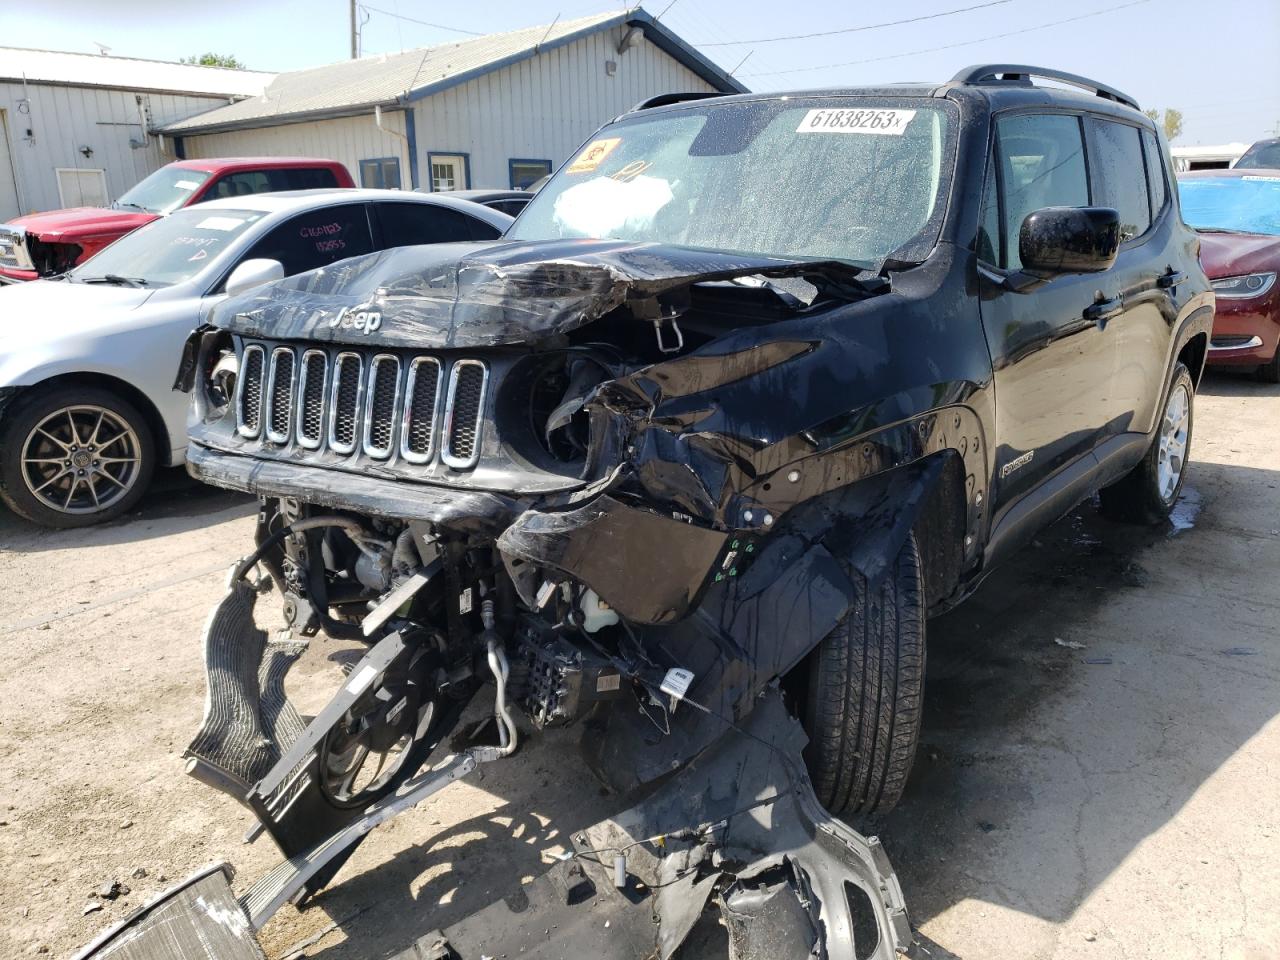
{"points": [[409, 224], [1121, 175], [317, 238], [302, 178], [241, 184], [1042, 164]]}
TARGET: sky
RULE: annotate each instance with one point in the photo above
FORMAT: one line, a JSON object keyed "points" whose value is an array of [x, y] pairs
{"points": [[1218, 61]]}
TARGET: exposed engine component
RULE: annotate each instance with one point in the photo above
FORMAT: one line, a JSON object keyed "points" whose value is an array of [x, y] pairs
{"points": [[557, 681]]}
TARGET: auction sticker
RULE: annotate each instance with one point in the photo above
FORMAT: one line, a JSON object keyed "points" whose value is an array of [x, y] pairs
{"points": [[883, 121], [219, 223], [594, 155]]}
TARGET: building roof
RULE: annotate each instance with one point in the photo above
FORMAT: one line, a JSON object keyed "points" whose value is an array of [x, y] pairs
{"points": [[127, 73], [356, 86]]}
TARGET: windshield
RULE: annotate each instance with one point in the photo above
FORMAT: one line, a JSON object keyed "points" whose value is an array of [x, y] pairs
{"points": [[1248, 204], [847, 179], [171, 250], [165, 190], [1264, 154]]}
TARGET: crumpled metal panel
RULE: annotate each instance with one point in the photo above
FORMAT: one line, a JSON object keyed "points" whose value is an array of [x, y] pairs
{"points": [[197, 920], [454, 295]]}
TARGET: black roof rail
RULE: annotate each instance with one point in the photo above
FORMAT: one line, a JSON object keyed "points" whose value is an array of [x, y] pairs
{"points": [[1021, 73], [666, 99]]}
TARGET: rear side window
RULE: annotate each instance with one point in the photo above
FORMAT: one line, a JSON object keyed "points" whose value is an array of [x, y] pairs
{"points": [[409, 224], [240, 184], [317, 238], [1042, 164], [303, 178], [1155, 172], [1122, 175]]}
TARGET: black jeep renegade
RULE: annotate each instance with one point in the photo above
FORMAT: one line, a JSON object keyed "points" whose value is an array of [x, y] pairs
{"points": [[752, 387]]}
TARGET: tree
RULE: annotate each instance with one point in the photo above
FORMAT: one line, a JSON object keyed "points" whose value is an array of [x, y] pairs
{"points": [[214, 60], [1172, 121]]}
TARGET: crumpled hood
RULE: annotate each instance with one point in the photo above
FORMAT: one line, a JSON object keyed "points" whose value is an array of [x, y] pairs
{"points": [[466, 295], [70, 225]]}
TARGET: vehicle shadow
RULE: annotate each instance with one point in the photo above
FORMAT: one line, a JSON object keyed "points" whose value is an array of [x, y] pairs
{"points": [[1085, 693], [175, 503], [457, 870]]}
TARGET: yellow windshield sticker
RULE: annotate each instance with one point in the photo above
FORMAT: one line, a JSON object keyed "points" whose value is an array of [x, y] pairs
{"points": [[594, 155]]}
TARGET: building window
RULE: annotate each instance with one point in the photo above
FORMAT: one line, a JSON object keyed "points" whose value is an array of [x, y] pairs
{"points": [[525, 173], [448, 171], [382, 173], [81, 188]]}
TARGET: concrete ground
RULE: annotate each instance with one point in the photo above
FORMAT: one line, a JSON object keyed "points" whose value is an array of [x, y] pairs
{"points": [[1110, 795]]}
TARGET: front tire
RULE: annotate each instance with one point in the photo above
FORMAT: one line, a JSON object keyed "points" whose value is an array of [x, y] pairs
{"points": [[1147, 493], [865, 691], [73, 456]]}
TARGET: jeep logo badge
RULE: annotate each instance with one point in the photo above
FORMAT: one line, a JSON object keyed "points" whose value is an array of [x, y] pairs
{"points": [[366, 321]]}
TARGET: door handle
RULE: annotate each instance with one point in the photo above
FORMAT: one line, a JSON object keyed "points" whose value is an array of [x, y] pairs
{"points": [[1103, 310], [1171, 279]]}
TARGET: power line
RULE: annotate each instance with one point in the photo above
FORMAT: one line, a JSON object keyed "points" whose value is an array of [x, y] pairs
{"points": [[870, 26], [952, 46], [438, 26]]}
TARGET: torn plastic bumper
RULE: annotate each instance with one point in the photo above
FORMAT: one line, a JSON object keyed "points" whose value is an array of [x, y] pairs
{"points": [[733, 852], [464, 510]]}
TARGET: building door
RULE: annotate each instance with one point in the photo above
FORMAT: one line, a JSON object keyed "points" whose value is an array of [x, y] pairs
{"points": [[448, 171], [8, 176]]}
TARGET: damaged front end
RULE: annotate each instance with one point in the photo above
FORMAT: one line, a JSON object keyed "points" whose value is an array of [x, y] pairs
{"points": [[562, 470]]}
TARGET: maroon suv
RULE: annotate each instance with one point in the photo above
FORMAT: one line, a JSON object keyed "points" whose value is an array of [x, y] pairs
{"points": [[44, 244]]}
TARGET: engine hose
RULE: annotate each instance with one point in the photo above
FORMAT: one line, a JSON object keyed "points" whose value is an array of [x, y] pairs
{"points": [[352, 529], [507, 733]]}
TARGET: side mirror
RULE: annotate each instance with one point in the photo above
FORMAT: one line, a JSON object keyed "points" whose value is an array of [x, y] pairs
{"points": [[253, 273], [1058, 240]]}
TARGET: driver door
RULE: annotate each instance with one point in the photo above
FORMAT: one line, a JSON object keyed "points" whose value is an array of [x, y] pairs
{"points": [[1054, 362]]}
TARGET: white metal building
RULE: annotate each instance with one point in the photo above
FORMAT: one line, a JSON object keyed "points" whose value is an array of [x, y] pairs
{"points": [[78, 129], [494, 111]]}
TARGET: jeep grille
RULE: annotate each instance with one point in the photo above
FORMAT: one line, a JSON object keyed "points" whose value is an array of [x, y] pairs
{"points": [[364, 403]]}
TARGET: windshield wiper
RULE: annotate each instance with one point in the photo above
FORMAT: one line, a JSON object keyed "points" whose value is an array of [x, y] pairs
{"points": [[129, 203], [116, 280]]}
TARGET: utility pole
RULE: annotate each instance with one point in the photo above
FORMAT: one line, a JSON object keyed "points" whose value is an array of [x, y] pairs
{"points": [[355, 33]]}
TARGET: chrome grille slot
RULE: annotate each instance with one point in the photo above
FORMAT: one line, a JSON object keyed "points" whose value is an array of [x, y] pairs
{"points": [[313, 387], [422, 395], [382, 397], [463, 409], [344, 402], [249, 392], [280, 395]]}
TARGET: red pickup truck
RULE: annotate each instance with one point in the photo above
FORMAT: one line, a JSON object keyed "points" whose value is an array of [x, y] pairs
{"points": [[44, 244]]}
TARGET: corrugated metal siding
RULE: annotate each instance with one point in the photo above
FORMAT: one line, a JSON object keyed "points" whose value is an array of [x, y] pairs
{"points": [[347, 140], [9, 206], [543, 108], [64, 119]]}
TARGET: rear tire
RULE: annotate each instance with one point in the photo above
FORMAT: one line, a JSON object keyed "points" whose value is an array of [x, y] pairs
{"points": [[1147, 493], [73, 456], [865, 692]]}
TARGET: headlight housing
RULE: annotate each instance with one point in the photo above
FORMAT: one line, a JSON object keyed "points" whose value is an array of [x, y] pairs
{"points": [[1243, 287]]}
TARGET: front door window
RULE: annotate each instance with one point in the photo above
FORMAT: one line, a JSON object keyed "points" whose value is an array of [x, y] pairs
{"points": [[448, 172]]}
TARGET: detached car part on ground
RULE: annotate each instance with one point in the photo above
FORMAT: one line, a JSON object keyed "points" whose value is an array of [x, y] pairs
{"points": [[665, 486]]}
